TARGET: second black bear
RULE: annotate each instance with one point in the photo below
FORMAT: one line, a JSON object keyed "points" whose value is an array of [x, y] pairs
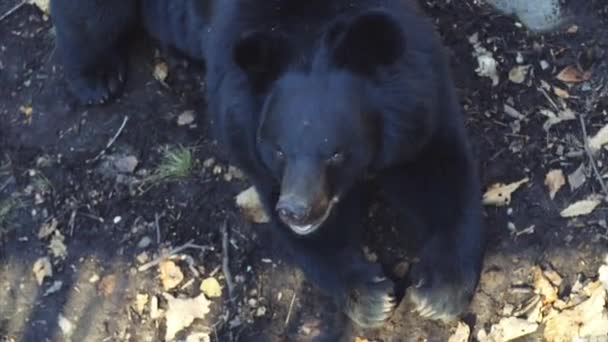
{"points": [[313, 99]]}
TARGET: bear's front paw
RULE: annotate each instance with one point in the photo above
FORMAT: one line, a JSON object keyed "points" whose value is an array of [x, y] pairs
{"points": [[370, 303], [441, 290]]}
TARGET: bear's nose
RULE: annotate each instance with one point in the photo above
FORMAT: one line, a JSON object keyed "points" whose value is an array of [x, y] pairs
{"points": [[292, 213]]}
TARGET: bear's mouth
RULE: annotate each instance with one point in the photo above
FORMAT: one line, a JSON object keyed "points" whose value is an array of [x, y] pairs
{"points": [[311, 227]]}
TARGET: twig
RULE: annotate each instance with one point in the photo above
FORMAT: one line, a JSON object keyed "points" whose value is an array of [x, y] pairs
{"points": [[13, 10], [111, 142], [293, 300], [226, 260], [72, 221], [591, 159], [157, 225], [8, 181], [163, 257]]}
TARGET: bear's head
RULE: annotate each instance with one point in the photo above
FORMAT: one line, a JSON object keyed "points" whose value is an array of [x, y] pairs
{"points": [[319, 131]]}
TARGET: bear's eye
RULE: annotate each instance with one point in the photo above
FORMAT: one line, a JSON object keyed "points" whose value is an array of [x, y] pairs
{"points": [[336, 159]]}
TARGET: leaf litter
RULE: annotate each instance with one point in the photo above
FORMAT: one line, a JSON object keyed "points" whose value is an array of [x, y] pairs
{"points": [[499, 194]]}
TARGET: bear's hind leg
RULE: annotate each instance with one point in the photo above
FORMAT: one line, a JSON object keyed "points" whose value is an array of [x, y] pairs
{"points": [[87, 36]]}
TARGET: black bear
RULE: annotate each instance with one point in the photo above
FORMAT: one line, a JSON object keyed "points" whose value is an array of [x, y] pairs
{"points": [[317, 100]]}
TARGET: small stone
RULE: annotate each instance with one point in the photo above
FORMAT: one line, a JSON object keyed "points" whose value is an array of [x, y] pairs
{"points": [[144, 242], [261, 311], [544, 65], [252, 302], [126, 164]]}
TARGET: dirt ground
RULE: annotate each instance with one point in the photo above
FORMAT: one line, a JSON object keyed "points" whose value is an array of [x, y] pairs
{"points": [[105, 214]]}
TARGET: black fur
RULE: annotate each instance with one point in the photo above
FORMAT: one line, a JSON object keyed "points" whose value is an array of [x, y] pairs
{"points": [[312, 99]]}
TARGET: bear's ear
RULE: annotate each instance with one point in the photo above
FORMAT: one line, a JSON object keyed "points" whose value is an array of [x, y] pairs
{"points": [[262, 56], [372, 39]]}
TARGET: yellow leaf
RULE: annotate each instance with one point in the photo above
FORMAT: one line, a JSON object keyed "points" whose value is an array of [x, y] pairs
{"points": [[211, 287], [499, 194]]}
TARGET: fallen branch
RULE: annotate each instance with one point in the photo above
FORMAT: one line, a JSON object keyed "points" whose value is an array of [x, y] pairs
{"points": [[293, 300], [226, 260], [597, 173], [111, 142], [172, 252], [13, 10]]}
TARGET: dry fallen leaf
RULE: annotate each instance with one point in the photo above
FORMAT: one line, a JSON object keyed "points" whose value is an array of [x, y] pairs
{"points": [[583, 207], [251, 206], [577, 178], [141, 300], [543, 286], [161, 71], [107, 285], [462, 333], [487, 65], [42, 268], [170, 274], [47, 229], [554, 180], [211, 287], [518, 73], [600, 139], [508, 329], [603, 276], [571, 74], [57, 248], [155, 312], [65, 325], [588, 319], [185, 118], [182, 312], [553, 118], [561, 93], [43, 5], [499, 194], [198, 337]]}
